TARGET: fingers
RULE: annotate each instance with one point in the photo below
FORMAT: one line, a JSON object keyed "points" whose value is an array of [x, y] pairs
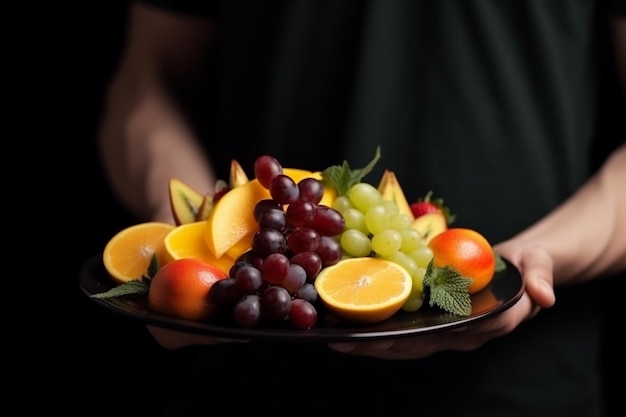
{"points": [[383, 349], [414, 347], [469, 337], [376, 348], [536, 266]]}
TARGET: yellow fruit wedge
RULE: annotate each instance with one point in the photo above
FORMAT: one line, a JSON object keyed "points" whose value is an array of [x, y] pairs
{"points": [[391, 190], [430, 225], [231, 223], [232, 217], [364, 290], [237, 175], [241, 247], [187, 241]]}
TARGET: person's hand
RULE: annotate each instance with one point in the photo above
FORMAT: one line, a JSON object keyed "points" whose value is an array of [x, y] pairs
{"points": [[173, 339], [535, 265]]}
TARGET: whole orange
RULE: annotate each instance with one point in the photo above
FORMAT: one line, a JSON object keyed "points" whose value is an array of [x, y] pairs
{"points": [[468, 252], [181, 289]]}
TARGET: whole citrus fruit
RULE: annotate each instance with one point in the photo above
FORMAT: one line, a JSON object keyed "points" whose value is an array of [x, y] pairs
{"points": [[468, 252], [181, 289]]}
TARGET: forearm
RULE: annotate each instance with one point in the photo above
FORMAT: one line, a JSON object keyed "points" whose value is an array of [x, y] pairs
{"points": [[586, 235], [144, 141]]}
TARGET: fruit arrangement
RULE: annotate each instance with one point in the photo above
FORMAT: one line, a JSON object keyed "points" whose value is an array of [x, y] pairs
{"points": [[289, 245]]}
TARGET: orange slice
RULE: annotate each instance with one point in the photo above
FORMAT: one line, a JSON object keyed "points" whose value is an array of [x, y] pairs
{"points": [[363, 290], [127, 254], [187, 241]]}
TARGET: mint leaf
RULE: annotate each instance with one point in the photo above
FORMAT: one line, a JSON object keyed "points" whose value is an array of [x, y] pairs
{"points": [[153, 267], [339, 177], [137, 286], [447, 290], [342, 177]]}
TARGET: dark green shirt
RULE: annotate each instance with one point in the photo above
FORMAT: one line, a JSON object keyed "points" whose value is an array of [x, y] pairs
{"points": [[489, 103]]}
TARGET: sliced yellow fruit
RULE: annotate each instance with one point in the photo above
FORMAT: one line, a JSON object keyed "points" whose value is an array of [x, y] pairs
{"points": [[363, 290], [241, 247], [128, 253], [430, 225], [187, 241], [231, 223], [391, 190], [232, 217]]}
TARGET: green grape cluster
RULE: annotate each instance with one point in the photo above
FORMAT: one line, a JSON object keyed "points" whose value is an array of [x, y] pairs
{"points": [[375, 227]]}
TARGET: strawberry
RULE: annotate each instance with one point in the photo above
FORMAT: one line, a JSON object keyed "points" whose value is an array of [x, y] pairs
{"points": [[427, 205], [423, 207]]}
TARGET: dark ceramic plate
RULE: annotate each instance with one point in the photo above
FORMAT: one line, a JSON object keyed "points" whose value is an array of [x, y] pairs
{"points": [[504, 291]]}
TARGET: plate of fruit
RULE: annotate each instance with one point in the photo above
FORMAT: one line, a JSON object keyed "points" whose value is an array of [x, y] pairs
{"points": [[292, 254]]}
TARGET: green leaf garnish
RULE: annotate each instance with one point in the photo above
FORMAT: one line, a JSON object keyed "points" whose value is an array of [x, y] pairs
{"points": [[448, 290], [134, 287], [342, 177], [153, 267], [137, 286], [500, 265]]}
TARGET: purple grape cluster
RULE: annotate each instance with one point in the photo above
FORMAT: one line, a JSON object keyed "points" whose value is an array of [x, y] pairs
{"points": [[273, 281]]}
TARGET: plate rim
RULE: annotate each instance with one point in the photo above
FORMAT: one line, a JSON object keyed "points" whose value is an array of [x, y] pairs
{"points": [[87, 279]]}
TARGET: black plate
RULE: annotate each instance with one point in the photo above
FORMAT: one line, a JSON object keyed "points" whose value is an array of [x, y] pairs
{"points": [[504, 291]]}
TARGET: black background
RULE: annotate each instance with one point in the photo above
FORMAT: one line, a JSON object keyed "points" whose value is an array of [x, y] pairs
{"points": [[68, 352]]}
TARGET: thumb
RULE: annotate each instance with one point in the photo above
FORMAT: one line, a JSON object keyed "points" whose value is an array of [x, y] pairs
{"points": [[536, 266]]}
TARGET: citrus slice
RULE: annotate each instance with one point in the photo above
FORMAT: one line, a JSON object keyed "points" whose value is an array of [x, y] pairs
{"points": [[127, 254], [363, 290], [187, 241]]}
